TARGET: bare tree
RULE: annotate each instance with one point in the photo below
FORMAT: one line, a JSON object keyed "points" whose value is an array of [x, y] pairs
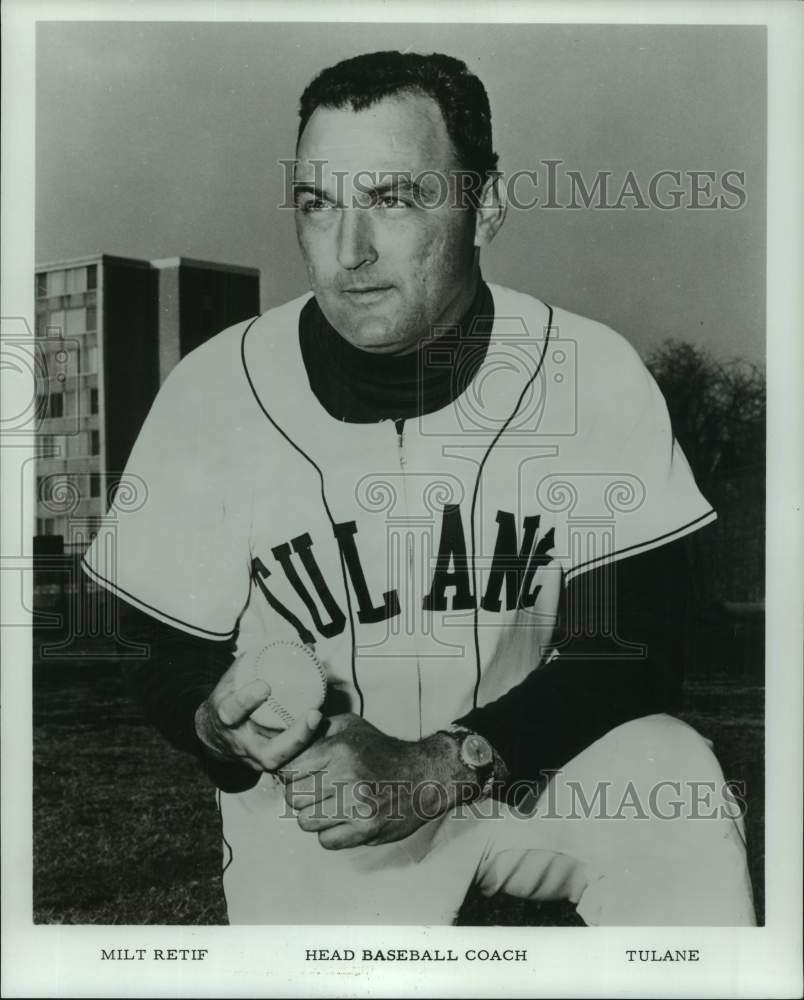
{"points": [[717, 409]]}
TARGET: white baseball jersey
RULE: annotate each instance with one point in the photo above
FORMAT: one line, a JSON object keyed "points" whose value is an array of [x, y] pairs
{"points": [[425, 565]]}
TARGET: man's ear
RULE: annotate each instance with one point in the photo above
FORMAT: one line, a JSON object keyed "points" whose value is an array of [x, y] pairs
{"points": [[491, 209]]}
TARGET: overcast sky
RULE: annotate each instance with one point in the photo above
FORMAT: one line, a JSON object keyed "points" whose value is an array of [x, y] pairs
{"points": [[162, 139]]}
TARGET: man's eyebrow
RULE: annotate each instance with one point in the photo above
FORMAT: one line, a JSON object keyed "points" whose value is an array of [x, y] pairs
{"points": [[402, 182], [307, 187]]}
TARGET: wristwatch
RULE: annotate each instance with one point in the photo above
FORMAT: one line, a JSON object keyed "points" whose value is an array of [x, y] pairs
{"points": [[477, 754]]}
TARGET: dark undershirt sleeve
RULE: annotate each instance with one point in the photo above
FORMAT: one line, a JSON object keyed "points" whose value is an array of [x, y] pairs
{"points": [[614, 665], [177, 675], [609, 671]]}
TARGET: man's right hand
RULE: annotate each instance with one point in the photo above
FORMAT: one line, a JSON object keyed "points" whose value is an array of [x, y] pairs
{"points": [[224, 725]]}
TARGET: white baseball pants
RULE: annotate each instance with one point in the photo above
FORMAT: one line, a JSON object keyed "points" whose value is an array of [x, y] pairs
{"points": [[636, 830]]}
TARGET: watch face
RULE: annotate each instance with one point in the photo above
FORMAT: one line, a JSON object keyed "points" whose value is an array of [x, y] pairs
{"points": [[477, 752]]}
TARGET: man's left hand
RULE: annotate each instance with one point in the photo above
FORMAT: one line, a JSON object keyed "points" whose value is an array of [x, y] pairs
{"points": [[356, 785]]}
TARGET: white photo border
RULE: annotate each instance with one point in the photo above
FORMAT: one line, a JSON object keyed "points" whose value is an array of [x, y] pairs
{"points": [[65, 961]]}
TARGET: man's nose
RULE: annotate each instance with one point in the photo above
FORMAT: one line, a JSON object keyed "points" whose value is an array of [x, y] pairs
{"points": [[355, 242]]}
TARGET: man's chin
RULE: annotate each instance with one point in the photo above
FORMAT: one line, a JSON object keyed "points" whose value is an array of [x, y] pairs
{"points": [[373, 335]]}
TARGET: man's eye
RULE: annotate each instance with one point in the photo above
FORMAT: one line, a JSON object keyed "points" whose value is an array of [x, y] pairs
{"points": [[391, 201], [313, 205]]}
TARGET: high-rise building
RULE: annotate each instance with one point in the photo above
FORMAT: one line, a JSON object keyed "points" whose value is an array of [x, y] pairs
{"points": [[109, 331], [197, 299]]}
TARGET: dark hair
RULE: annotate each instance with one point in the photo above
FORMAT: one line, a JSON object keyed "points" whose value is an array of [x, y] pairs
{"points": [[364, 80]]}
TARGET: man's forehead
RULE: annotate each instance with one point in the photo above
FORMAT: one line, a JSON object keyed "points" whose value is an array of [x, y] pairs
{"points": [[399, 133]]}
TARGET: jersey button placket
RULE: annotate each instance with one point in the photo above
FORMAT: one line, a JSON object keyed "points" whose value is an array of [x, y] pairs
{"points": [[409, 551]]}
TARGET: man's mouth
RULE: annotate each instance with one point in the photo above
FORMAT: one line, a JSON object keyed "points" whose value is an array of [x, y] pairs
{"points": [[366, 293]]}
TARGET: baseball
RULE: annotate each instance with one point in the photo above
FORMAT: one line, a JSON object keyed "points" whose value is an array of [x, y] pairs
{"points": [[297, 679]]}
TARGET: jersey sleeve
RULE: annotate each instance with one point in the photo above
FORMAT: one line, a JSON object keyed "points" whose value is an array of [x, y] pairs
{"points": [[634, 490], [175, 541]]}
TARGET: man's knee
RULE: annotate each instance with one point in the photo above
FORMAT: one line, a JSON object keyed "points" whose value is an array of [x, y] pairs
{"points": [[649, 770], [650, 748], [645, 817]]}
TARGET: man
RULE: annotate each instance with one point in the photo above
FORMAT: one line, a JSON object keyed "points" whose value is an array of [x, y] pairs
{"points": [[430, 481]]}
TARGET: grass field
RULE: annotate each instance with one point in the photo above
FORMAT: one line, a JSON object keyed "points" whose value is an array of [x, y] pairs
{"points": [[126, 829]]}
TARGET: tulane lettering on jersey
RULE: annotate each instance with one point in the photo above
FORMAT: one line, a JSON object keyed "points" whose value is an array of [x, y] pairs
{"points": [[425, 566], [451, 586]]}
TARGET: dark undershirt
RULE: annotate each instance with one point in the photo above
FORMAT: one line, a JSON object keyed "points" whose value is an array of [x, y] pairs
{"points": [[360, 388], [596, 682]]}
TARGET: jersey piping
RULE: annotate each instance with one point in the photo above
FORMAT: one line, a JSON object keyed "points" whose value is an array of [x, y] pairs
{"points": [[330, 518], [653, 543], [197, 631], [498, 435]]}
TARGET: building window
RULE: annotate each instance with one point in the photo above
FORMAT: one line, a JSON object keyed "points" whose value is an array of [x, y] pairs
{"points": [[93, 400], [76, 280], [56, 323], [45, 444], [92, 277], [56, 405], [94, 484], [90, 359], [94, 442], [55, 283], [76, 445], [92, 318], [72, 365], [76, 321], [41, 285]]}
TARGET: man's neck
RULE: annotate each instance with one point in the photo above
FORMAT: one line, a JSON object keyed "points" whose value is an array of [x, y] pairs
{"points": [[360, 386]]}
